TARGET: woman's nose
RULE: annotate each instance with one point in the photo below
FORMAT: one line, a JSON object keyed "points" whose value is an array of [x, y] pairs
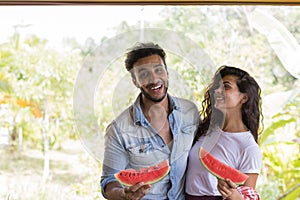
{"points": [[219, 90]]}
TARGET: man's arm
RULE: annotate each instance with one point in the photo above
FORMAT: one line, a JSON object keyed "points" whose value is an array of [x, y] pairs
{"points": [[114, 190], [115, 158]]}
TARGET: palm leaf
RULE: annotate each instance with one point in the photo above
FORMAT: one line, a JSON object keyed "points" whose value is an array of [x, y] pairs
{"points": [[4, 85], [281, 40], [274, 103]]}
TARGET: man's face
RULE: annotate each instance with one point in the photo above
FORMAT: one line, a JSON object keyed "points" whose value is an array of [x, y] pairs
{"points": [[151, 77]]}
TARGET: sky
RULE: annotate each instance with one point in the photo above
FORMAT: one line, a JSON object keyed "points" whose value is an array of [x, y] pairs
{"points": [[79, 22]]}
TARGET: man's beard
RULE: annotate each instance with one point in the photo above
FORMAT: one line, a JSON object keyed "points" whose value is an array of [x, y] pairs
{"points": [[156, 100]]}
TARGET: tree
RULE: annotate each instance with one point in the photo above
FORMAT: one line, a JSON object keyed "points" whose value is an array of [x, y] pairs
{"points": [[43, 78]]}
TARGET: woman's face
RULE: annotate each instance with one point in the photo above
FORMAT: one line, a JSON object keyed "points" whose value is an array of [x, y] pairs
{"points": [[227, 96]]}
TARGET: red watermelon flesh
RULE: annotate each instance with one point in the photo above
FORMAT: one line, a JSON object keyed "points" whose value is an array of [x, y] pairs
{"points": [[147, 175], [219, 169]]}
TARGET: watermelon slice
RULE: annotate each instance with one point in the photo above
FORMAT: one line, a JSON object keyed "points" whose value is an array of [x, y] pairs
{"points": [[148, 175], [219, 169]]}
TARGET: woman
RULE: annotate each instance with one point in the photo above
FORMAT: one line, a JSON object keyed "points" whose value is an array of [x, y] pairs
{"points": [[229, 131]]}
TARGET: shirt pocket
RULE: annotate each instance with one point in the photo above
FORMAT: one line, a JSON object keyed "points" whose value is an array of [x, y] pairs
{"points": [[144, 155], [140, 148], [184, 140]]}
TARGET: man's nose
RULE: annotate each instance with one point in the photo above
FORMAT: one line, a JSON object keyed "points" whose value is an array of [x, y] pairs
{"points": [[153, 77]]}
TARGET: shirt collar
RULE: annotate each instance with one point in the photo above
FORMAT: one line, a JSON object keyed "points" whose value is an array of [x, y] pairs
{"points": [[138, 116]]}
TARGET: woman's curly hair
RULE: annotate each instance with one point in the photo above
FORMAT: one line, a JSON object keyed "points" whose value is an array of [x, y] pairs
{"points": [[251, 110]]}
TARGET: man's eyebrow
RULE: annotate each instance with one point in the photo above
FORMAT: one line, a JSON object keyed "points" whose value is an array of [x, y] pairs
{"points": [[141, 69]]}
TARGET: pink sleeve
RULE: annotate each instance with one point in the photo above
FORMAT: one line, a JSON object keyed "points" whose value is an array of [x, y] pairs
{"points": [[248, 193]]}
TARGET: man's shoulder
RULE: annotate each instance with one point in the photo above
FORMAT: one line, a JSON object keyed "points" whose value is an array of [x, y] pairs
{"points": [[126, 114], [123, 121], [185, 104], [184, 100]]}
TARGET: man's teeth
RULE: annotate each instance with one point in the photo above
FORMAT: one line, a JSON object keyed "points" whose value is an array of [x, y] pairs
{"points": [[156, 87]]}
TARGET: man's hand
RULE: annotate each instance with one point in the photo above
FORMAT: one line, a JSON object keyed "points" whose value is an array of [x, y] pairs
{"points": [[136, 192], [114, 191]]}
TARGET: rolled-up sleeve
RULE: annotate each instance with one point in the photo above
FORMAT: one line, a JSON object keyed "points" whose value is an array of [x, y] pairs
{"points": [[251, 160], [115, 156]]}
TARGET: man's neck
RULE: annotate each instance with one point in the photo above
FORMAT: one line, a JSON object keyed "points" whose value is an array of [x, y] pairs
{"points": [[151, 108]]}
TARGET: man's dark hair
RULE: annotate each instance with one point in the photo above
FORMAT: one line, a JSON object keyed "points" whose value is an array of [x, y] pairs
{"points": [[141, 50]]}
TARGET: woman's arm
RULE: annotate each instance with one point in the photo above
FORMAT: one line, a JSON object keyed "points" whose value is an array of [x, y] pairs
{"points": [[251, 181]]}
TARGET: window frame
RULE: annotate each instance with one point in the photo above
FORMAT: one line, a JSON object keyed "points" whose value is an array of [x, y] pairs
{"points": [[151, 2]]}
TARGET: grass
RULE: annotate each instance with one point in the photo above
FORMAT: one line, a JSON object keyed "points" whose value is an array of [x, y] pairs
{"points": [[73, 174]]}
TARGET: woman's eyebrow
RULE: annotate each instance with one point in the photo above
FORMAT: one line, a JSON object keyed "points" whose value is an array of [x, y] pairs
{"points": [[226, 82], [158, 65]]}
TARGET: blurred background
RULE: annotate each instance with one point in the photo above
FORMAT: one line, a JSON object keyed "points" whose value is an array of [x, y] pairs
{"points": [[43, 50]]}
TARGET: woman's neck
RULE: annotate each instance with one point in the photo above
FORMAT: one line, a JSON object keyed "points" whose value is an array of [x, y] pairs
{"points": [[234, 123]]}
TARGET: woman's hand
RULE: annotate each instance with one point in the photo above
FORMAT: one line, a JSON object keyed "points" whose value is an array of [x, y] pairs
{"points": [[227, 188]]}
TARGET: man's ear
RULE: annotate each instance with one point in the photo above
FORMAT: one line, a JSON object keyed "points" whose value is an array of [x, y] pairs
{"points": [[135, 82]]}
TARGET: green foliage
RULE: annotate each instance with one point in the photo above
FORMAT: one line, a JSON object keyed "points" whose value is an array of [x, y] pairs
{"points": [[229, 41], [35, 72], [268, 189], [281, 153], [246, 48], [267, 137], [4, 85], [43, 76]]}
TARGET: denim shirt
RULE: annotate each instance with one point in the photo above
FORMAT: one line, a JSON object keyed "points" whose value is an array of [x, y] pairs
{"points": [[131, 142]]}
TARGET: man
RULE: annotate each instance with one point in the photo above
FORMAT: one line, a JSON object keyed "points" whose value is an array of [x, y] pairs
{"points": [[156, 127]]}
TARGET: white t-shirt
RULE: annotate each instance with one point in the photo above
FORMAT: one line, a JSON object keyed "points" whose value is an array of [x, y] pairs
{"points": [[238, 150]]}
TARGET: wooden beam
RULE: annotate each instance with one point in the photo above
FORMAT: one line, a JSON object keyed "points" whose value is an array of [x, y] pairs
{"points": [[151, 2]]}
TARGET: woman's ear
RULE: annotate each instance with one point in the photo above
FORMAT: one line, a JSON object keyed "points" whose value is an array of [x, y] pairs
{"points": [[245, 98]]}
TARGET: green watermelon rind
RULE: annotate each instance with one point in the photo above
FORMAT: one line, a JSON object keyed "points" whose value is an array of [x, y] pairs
{"points": [[147, 182], [217, 175]]}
